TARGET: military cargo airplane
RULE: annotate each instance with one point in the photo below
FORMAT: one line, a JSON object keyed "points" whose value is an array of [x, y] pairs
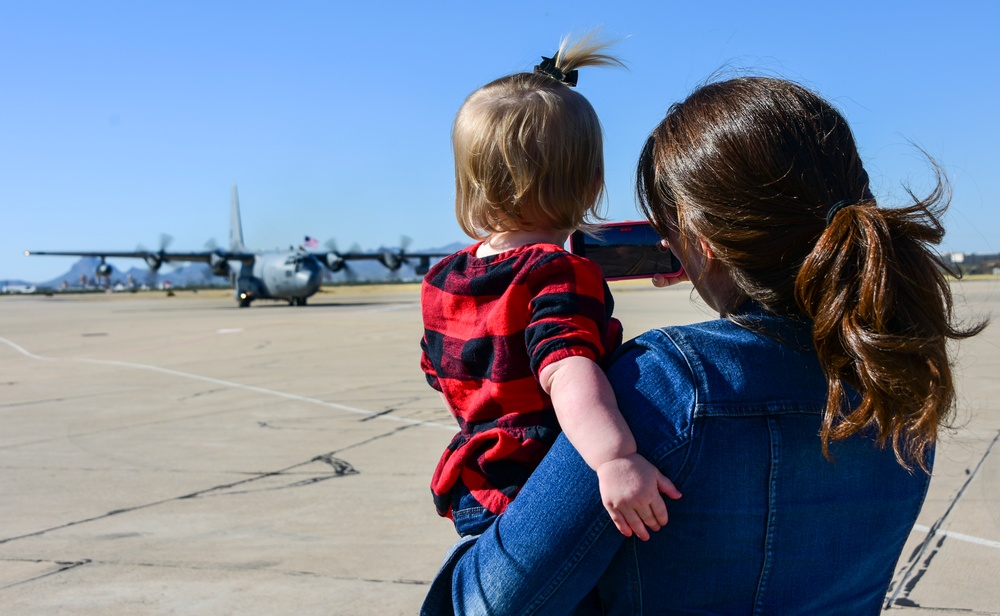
{"points": [[290, 275]]}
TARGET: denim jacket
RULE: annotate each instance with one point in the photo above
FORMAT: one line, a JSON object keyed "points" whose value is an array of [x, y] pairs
{"points": [[731, 413]]}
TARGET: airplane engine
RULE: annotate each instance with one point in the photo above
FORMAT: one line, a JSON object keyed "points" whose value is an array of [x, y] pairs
{"points": [[154, 261], [391, 260], [421, 268], [334, 262], [103, 270], [219, 265]]}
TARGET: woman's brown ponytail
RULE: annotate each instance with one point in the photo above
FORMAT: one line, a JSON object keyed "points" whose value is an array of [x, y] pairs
{"points": [[882, 316]]}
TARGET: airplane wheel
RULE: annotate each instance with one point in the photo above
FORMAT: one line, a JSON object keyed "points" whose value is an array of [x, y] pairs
{"points": [[302, 301], [244, 303]]}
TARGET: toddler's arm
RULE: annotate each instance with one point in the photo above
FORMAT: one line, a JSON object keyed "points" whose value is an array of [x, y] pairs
{"points": [[588, 413]]}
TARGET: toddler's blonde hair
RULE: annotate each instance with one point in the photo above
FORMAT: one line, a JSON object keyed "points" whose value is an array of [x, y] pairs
{"points": [[529, 153]]}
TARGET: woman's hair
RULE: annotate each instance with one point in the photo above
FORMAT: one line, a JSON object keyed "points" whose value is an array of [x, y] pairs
{"points": [[528, 149], [755, 167]]}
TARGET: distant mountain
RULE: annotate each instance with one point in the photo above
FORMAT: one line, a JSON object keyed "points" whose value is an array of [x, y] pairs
{"points": [[81, 274], [452, 247]]}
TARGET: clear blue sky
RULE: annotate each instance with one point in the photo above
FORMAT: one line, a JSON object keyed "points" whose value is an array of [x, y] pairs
{"points": [[120, 121]]}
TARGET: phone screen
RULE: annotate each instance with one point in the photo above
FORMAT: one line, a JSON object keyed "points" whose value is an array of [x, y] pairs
{"points": [[626, 250]]}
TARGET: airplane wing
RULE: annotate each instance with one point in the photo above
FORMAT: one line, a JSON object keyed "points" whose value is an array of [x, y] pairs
{"points": [[154, 258], [428, 255], [163, 256], [334, 260], [391, 259], [377, 256]]}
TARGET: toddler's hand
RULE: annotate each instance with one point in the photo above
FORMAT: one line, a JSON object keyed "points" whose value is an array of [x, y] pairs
{"points": [[630, 490]]}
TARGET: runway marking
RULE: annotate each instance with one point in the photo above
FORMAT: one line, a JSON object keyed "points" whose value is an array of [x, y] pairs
{"points": [[917, 565], [234, 385], [24, 351], [960, 537]]}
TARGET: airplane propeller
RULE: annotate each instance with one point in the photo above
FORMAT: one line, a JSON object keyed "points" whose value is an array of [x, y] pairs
{"points": [[336, 262], [217, 260], [103, 270], [423, 264], [155, 259], [393, 260], [332, 257]]}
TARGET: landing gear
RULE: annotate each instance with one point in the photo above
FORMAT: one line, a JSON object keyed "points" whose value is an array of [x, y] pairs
{"points": [[297, 301], [244, 300]]}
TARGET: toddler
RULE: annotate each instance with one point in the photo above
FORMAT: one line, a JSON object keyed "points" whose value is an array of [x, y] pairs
{"points": [[515, 327]]}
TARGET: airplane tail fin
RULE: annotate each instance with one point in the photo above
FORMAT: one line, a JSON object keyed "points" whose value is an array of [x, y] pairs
{"points": [[235, 226]]}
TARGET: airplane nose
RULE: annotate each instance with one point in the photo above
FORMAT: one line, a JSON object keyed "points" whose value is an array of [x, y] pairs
{"points": [[309, 278]]}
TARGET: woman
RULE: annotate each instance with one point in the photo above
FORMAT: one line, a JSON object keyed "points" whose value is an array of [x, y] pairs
{"points": [[800, 426]]}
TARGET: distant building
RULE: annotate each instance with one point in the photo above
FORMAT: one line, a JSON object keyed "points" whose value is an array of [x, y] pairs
{"points": [[18, 288], [972, 263]]}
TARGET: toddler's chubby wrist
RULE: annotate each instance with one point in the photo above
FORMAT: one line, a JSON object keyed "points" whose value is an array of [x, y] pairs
{"points": [[619, 462]]}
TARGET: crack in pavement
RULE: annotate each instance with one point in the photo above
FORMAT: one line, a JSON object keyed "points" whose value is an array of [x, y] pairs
{"points": [[912, 575], [118, 428], [341, 468], [73, 398], [66, 566], [63, 566]]}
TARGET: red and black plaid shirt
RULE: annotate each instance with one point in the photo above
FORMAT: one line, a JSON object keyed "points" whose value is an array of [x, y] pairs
{"points": [[490, 325]]}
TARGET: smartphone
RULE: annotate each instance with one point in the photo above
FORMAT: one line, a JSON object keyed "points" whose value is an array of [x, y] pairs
{"points": [[626, 250]]}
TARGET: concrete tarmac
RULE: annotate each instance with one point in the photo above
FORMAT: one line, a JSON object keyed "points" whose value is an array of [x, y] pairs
{"points": [[177, 455]]}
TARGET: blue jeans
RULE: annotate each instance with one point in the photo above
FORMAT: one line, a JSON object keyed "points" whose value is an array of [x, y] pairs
{"points": [[548, 562], [471, 518]]}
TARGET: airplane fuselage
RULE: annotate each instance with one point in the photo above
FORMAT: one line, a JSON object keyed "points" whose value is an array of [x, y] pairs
{"points": [[288, 276]]}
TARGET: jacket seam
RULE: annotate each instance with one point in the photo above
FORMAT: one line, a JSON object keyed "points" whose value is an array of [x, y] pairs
{"points": [[765, 569], [686, 438]]}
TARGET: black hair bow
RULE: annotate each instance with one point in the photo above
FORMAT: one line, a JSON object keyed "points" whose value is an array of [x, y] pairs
{"points": [[548, 67]]}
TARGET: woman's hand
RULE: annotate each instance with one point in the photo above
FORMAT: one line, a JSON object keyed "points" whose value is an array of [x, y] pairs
{"points": [[660, 280]]}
